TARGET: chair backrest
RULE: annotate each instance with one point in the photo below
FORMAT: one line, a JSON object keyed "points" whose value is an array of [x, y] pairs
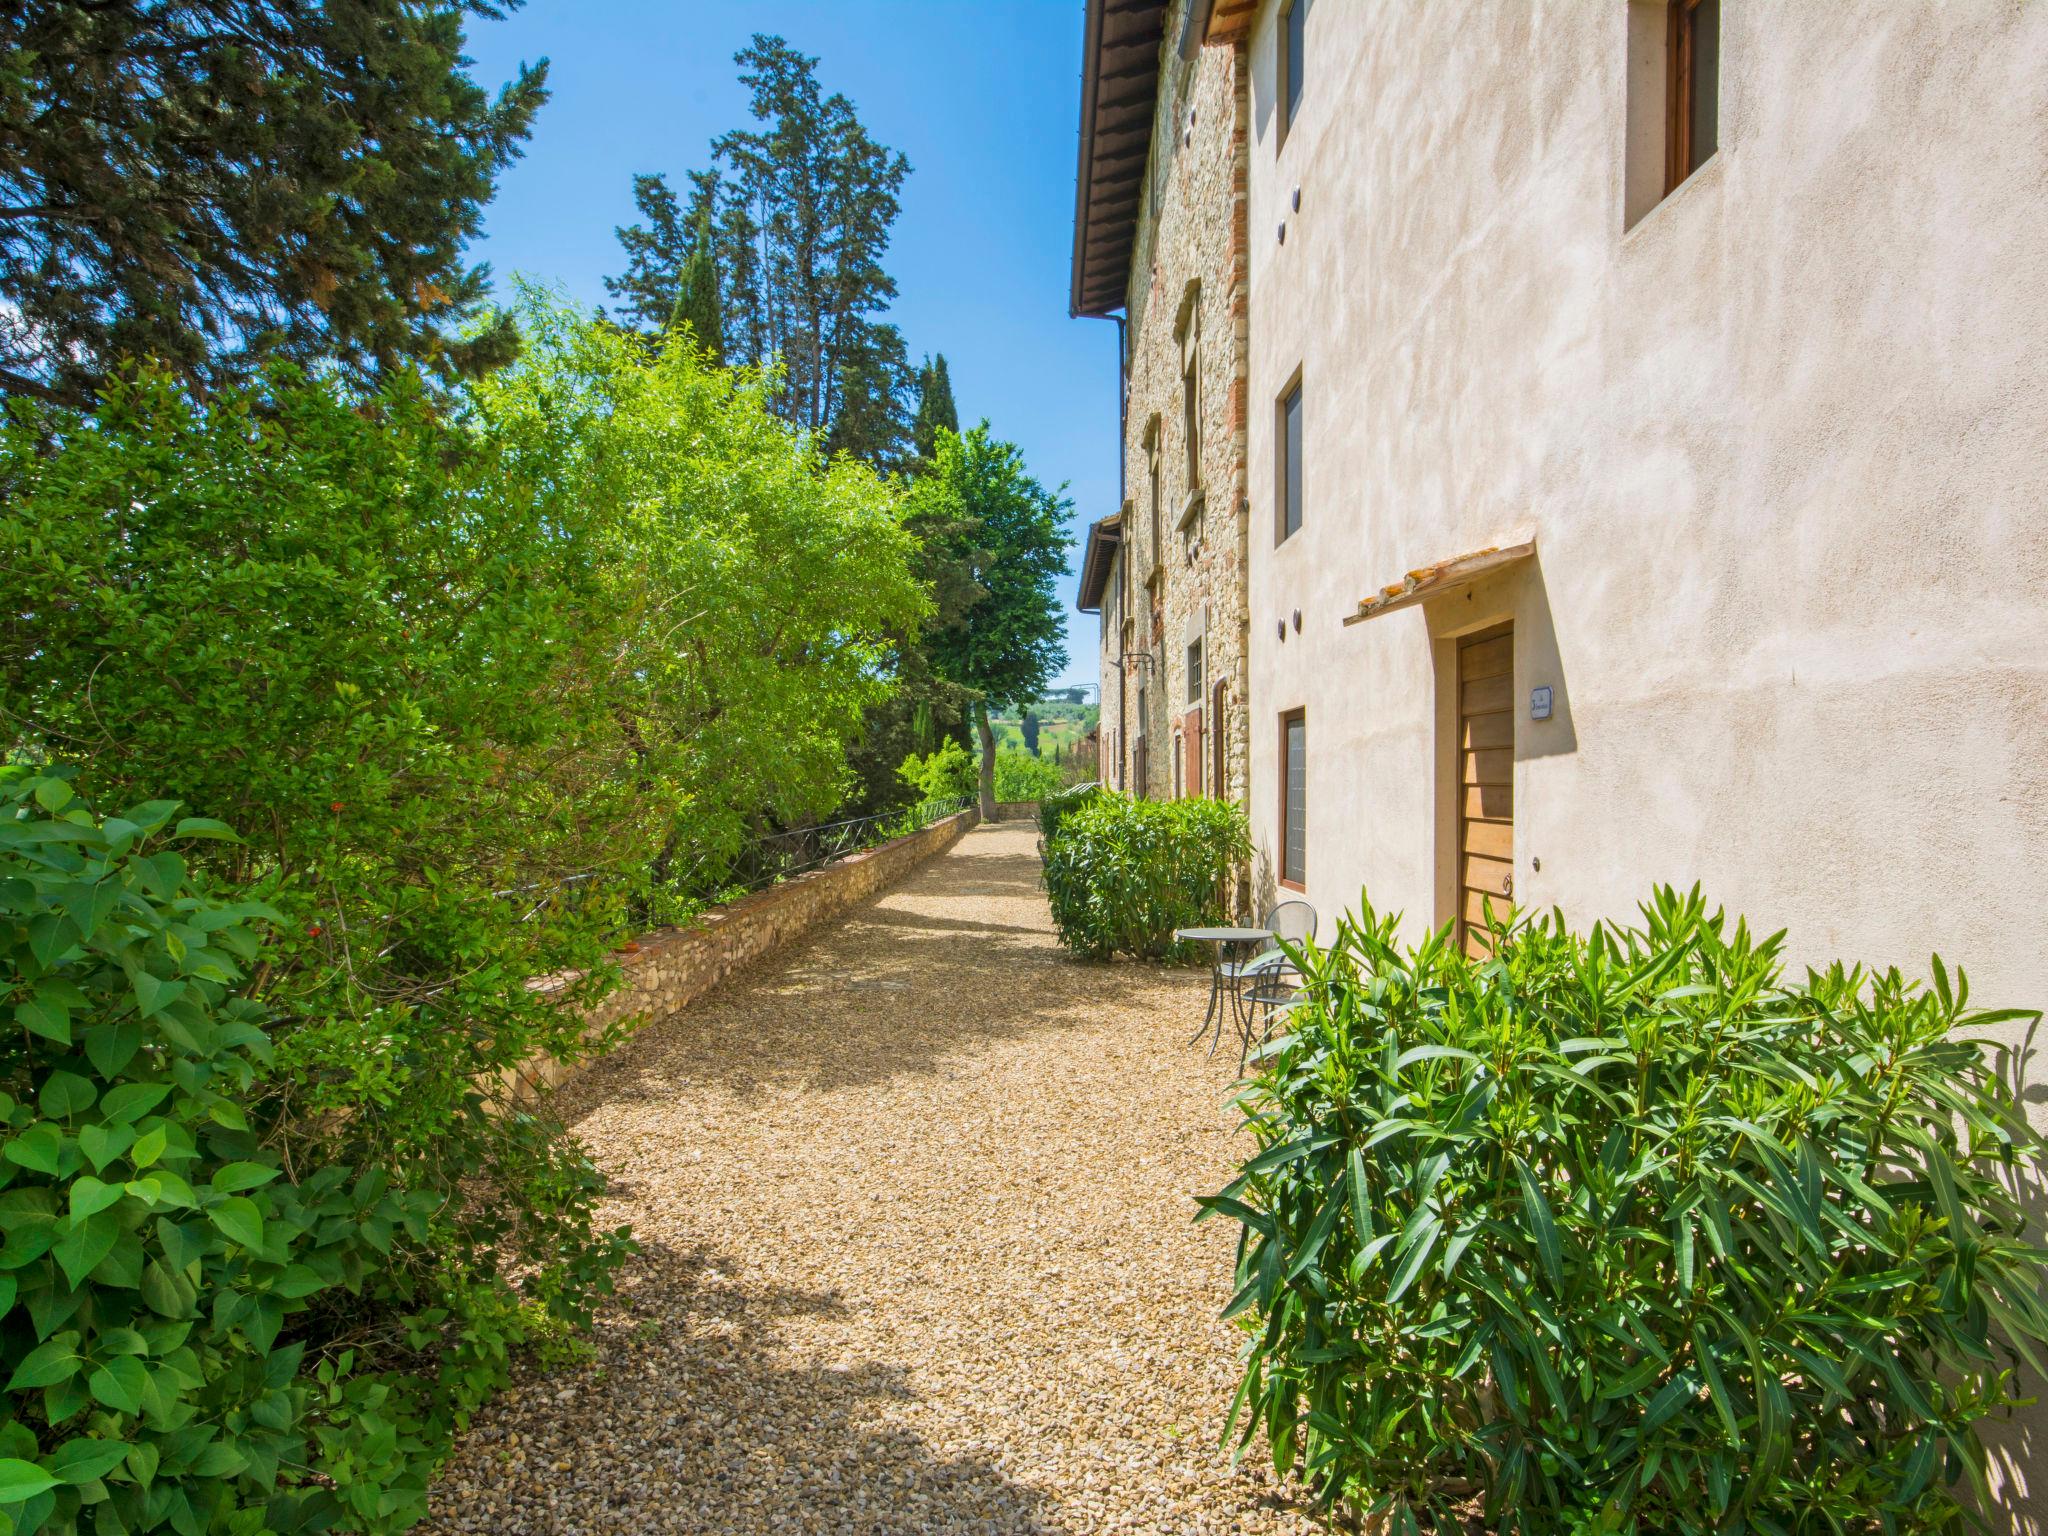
{"points": [[1293, 921]]}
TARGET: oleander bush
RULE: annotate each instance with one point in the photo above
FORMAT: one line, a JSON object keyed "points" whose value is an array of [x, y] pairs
{"points": [[1630, 1231], [1123, 874], [1021, 777], [1054, 809]]}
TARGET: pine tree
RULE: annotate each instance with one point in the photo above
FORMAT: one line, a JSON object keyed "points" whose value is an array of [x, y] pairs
{"points": [[935, 409], [211, 185]]}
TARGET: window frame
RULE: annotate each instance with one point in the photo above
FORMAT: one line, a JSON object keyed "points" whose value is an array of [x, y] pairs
{"points": [[1680, 90], [1157, 551], [1194, 670], [1296, 880], [1287, 460], [1292, 65]]}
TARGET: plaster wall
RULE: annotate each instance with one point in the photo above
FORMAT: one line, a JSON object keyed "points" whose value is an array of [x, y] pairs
{"points": [[1187, 583], [1782, 445]]}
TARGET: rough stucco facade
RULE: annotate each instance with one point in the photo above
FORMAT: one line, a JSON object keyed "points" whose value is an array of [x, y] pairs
{"points": [[1779, 440], [1176, 588]]}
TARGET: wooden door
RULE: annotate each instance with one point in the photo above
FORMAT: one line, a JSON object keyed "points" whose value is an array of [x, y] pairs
{"points": [[1486, 781]]}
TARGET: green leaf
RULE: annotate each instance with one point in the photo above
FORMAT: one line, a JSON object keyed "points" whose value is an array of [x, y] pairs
{"points": [[119, 1384], [80, 1250], [82, 1460], [131, 1101], [240, 1220], [154, 994], [46, 1364], [206, 827], [66, 1094], [102, 1144], [236, 1177], [149, 1147], [37, 1149], [89, 1197], [42, 1017], [21, 1481], [1542, 1226], [110, 1047]]}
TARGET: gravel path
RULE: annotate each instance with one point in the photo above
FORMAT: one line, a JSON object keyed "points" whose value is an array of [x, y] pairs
{"points": [[915, 1208]]}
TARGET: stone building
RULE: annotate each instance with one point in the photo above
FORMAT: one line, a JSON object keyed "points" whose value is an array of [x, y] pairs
{"points": [[1161, 243], [1646, 456]]}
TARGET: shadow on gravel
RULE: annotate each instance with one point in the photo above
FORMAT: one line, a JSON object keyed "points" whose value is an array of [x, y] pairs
{"points": [[897, 987], [688, 1423]]}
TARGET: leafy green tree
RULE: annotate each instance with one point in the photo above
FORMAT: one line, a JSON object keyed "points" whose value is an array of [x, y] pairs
{"points": [[1007, 533], [595, 627], [936, 412], [213, 183]]}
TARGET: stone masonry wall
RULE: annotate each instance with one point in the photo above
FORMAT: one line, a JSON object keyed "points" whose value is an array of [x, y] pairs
{"points": [[672, 967], [1188, 278]]}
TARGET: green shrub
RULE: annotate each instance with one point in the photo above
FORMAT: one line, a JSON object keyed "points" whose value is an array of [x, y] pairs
{"points": [[1630, 1232], [1122, 874], [1020, 777], [1054, 809], [482, 683], [945, 773], [159, 1261]]}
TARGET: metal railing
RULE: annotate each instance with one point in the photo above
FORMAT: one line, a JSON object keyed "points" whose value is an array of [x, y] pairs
{"points": [[769, 859], [781, 855]]}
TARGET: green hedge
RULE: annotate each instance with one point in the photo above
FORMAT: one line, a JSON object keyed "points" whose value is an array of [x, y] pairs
{"points": [[1054, 809], [1122, 874], [1631, 1232]]}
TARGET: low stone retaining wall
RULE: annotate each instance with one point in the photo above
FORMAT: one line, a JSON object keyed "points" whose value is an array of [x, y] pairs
{"points": [[1016, 810], [672, 967]]}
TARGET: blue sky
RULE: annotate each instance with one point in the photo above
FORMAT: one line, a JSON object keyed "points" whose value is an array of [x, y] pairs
{"points": [[981, 95]]}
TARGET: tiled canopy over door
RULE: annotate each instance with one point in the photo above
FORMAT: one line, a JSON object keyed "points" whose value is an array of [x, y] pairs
{"points": [[1486, 780]]}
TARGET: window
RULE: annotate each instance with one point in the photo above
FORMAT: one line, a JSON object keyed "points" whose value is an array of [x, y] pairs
{"points": [[1152, 486], [1289, 459], [1694, 100], [1674, 98], [1219, 775], [1293, 802], [1191, 401], [1138, 764], [1293, 29], [1194, 672]]}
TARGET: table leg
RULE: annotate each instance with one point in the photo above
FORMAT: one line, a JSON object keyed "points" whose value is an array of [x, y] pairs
{"points": [[1215, 991]]}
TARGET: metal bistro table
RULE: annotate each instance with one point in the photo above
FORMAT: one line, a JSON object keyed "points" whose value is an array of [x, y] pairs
{"points": [[1223, 939]]}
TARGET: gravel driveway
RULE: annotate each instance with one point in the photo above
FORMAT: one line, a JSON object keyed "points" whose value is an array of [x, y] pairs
{"points": [[915, 1204]]}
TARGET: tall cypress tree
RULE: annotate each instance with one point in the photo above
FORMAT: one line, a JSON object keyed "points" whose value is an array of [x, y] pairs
{"points": [[697, 300], [935, 409], [211, 185]]}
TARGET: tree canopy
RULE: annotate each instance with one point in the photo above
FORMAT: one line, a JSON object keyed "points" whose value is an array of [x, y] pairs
{"points": [[212, 183], [799, 208], [1008, 533]]}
